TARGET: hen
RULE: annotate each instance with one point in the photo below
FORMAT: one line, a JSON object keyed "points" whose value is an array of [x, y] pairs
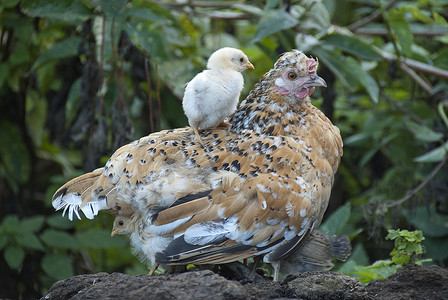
{"points": [[257, 188], [212, 95]]}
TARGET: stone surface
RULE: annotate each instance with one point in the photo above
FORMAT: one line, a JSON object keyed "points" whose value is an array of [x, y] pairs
{"points": [[325, 285], [189, 285], [413, 282]]}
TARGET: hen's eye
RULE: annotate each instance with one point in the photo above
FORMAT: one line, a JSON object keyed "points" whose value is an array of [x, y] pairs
{"points": [[292, 75], [121, 223], [241, 60]]}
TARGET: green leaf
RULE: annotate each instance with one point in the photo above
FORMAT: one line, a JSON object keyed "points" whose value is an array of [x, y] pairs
{"points": [[338, 65], [423, 132], [337, 220], [14, 256], [436, 248], [317, 17], [3, 241], [352, 45], [13, 154], [378, 146], [32, 224], [401, 258], [366, 81], [113, 7], [429, 221], [392, 235], [20, 55], [59, 239], [402, 31], [152, 12], [98, 239], [66, 48], [4, 70], [36, 112], [144, 13], [305, 42], [147, 38], [273, 21], [29, 241], [10, 3], [434, 155], [66, 10], [57, 266], [58, 222], [417, 13], [10, 221]]}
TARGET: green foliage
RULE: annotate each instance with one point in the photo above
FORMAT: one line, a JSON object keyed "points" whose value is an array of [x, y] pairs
{"points": [[24, 238], [17, 236], [408, 248], [76, 77]]}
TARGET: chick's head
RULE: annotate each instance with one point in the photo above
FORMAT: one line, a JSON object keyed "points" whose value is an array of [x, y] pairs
{"points": [[123, 225], [229, 58]]}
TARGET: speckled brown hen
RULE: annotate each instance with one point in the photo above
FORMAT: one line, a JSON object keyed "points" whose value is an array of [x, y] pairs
{"points": [[256, 188]]}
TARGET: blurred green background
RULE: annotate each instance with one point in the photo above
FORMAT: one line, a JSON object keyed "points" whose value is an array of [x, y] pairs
{"points": [[78, 79]]}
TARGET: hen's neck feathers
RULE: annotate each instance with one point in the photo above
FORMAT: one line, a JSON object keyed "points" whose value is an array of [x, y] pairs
{"points": [[267, 112]]}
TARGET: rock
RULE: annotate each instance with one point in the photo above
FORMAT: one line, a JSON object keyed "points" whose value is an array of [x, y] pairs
{"points": [[413, 282], [189, 285], [325, 285]]}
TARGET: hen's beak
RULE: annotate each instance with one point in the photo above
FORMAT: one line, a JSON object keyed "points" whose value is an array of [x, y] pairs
{"points": [[249, 65], [315, 80], [114, 232]]}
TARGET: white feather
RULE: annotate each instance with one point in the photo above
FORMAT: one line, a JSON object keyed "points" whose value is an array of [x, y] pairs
{"points": [[206, 233], [162, 229], [69, 202]]}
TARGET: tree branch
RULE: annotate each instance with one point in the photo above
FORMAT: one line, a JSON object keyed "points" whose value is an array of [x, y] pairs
{"points": [[181, 4], [421, 81], [415, 31], [413, 64], [415, 190], [370, 18]]}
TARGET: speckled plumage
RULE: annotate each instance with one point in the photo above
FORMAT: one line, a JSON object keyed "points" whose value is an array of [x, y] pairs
{"points": [[256, 188]]}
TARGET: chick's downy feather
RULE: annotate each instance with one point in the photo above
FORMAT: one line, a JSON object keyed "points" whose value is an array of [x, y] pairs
{"points": [[212, 95], [259, 187]]}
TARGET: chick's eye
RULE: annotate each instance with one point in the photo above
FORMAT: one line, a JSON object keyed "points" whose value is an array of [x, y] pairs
{"points": [[241, 60], [121, 223], [292, 75]]}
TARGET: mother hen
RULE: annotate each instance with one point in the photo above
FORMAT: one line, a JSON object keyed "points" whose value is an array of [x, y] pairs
{"points": [[259, 187]]}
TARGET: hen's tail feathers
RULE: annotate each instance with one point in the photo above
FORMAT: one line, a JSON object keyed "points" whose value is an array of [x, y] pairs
{"points": [[80, 194], [341, 247]]}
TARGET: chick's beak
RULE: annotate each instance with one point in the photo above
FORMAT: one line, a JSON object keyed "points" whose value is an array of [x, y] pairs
{"points": [[315, 80], [114, 232], [249, 65]]}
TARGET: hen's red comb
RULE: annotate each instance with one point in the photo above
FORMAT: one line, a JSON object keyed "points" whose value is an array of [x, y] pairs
{"points": [[311, 65]]}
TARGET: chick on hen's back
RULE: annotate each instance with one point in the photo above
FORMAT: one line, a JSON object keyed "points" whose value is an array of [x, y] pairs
{"points": [[212, 95]]}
